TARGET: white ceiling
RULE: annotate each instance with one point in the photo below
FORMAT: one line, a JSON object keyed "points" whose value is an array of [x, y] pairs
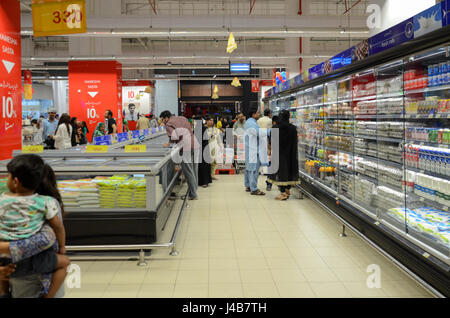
{"points": [[193, 33]]}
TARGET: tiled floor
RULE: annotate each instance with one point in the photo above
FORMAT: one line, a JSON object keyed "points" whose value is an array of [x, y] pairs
{"points": [[232, 244]]}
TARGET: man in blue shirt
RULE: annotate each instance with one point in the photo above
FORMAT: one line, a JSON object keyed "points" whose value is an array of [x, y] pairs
{"points": [[50, 126], [255, 151]]}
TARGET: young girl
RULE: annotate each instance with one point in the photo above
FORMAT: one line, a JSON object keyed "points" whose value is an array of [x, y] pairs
{"points": [[33, 198]]}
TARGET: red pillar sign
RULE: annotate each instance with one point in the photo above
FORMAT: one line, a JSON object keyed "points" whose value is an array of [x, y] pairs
{"points": [[10, 79], [94, 87], [255, 86]]}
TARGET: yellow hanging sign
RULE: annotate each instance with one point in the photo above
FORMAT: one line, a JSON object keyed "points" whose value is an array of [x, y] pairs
{"points": [[236, 82], [231, 43], [33, 149], [136, 148], [96, 149], [52, 17]]}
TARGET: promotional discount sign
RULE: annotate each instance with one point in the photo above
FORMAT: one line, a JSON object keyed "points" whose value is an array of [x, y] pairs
{"points": [[255, 86], [10, 79], [94, 89], [51, 17]]}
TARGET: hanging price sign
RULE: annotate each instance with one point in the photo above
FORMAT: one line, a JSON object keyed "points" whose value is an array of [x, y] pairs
{"points": [[96, 149], [33, 149], [52, 17], [135, 148]]}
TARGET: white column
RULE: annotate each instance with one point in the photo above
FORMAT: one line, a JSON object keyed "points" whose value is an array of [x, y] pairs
{"points": [[60, 96]]}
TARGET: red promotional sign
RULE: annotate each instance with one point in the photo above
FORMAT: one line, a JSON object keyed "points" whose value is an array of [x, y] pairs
{"points": [[94, 88], [27, 77], [255, 86], [265, 83], [10, 79]]}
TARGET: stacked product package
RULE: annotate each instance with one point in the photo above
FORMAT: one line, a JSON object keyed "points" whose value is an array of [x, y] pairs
{"points": [[430, 222], [81, 193], [119, 191]]}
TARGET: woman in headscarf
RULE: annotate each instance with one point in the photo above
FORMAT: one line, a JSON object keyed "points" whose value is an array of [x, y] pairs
{"points": [[99, 130], [287, 174], [204, 168]]}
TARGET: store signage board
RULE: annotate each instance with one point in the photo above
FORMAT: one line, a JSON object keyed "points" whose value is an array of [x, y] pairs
{"points": [[52, 17], [255, 86], [392, 37], [135, 134], [136, 148], [122, 137], [103, 140], [342, 59], [446, 12], [33, 149], [10, 79], [93, 90], [429, 20], [286, 85], [316, 71], [96, 149]]}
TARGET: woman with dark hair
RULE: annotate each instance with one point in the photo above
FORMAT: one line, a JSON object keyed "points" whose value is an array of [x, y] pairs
{"points": [[63, 134], [287, 174], [204, 167], [84, 129], [49, 187]]}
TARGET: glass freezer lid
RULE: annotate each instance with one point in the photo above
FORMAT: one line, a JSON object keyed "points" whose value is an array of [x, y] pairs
{"points": [[135, 161], [83, 161]]}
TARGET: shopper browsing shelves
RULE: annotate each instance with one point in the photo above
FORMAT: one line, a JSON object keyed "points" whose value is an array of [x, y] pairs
{"points": [[50, 126], [255, 151], [111, 124], [287, 174], [23, 212], [63, 134], [99, 130], [180, 132], [143, 122]]}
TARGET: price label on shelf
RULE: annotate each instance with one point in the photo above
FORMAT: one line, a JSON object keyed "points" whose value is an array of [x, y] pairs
{"points": [[96, 149], [448, 116], [426, 255], [422, 199], [377, 223], [438, 116], [430, 116], [407, 116], [33, 149], [422, 171], [57, 18], [445, 208], [136, 148]]}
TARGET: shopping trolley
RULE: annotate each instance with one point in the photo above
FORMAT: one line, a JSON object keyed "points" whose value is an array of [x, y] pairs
{"points": [[239, 150]]}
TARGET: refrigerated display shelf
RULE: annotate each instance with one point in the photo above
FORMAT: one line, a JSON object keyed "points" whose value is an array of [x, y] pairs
{"points": [[399, 226], [427, 143], [363, 98], [379, 138], [382, 161], [339, 134], [413, 197], [430, 173], [427, 89], [427, 116], [338, 150]]}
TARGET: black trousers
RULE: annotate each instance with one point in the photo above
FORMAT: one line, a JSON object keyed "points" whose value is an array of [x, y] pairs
{"points": [[284, 188]]}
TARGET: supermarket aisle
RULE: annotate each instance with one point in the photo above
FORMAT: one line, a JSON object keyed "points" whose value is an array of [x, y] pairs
{"points": [[236, 245]]}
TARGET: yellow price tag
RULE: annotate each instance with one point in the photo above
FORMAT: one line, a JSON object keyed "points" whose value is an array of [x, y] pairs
{"points": [[96, 149], [33, 149], [57, 18], [136, 148]]}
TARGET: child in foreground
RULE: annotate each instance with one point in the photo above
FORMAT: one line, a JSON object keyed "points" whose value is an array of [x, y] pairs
{"points": [[22, 214]]}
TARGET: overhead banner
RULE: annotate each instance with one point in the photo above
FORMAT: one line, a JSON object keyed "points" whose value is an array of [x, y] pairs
{"points": [[429, 20], [94, 89], [10, 79], [135, 101], [51, 17], [27, 85]]}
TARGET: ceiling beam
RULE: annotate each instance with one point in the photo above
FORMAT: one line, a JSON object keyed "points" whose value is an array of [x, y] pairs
{"points": [[153, 5]]}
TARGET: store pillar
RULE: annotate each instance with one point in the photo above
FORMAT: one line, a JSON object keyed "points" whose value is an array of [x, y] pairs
{"points": [[95, 87], [10, 79]]}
